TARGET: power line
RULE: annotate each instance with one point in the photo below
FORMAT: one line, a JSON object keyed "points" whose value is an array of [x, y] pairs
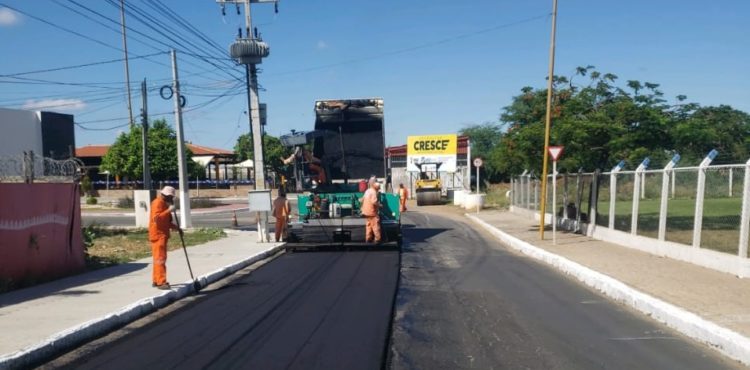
{"points": [[152, 23], [129, 28], [79, 65], [413, 48], [102, 43]]}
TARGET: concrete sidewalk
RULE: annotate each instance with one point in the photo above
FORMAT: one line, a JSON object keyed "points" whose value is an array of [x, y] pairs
{"points": [[49, 318], [709, 306]]}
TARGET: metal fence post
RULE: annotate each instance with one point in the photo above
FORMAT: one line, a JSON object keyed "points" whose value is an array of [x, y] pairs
{"points": [[673, 177], [565, 196], [745, 218], [613, 192], [536, 195], [637, 192], [594, 197], [731, 181], [665, 176], [528, 191], [523, 188], [699, 195]]}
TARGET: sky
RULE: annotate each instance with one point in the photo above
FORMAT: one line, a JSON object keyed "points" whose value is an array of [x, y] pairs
{"points": [[439, 65]]}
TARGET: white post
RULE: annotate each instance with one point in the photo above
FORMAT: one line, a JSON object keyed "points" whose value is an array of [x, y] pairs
{"points": [[554, 202], [521, 196], [478, 196], [666, 175], [745, 218], [528, 191], [468, 164], [674, 174], [731, 180], [613, 192], [536, 195], [637, 192], [643, 185], [700, 194], [185, 221]]}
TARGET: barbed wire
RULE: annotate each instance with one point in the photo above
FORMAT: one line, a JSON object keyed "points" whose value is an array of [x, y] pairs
{"points": [[29, 168]]}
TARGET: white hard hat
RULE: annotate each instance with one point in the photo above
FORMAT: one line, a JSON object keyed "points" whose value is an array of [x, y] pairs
{"points": [[168, 191]]}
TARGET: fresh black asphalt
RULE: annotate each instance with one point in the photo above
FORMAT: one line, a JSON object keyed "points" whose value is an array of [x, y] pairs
{"points": [[463, 302]]}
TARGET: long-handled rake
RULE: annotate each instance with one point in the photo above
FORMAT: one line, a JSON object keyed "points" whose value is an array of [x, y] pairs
{"points": [[196, 283]]}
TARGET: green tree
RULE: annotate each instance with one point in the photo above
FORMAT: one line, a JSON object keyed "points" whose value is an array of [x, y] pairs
{"points": [[273, 151], [484, 137], [124, 157]]}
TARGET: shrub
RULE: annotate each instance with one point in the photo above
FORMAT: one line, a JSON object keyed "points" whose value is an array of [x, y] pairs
{"points": [[91, 200]]}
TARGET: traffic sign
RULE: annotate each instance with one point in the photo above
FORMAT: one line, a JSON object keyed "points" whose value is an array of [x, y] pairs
{"points": [[478, 162], [555, 152]]}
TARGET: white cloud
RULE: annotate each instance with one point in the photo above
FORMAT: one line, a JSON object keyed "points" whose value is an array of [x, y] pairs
{"points": [[8, 17], [55, 104], [322, 45]]}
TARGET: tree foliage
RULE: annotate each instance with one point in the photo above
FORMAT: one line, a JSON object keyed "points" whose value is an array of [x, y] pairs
{"points": [[124, 157], [601, 122], [273, 151]]}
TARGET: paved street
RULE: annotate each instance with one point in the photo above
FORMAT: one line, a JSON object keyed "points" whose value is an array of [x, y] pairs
{"points": [[466, 302], [463, 302], [222, 219], [324, 310]]}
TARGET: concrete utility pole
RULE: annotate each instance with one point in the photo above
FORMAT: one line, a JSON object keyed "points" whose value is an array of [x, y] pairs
{"points": [[144, 137], [548, 119], [250, 51], [127, 66], [185, 221]]}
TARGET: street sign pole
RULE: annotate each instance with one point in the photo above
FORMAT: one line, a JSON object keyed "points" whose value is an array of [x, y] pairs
{"points": [[555, 152], [478, 163], [554, 201]]}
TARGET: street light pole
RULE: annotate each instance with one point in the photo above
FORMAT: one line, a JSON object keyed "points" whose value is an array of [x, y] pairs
{"points": [[548, 119]]}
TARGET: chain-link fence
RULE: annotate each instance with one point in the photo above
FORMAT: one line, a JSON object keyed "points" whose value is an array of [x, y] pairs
{"points": [[29, 168], [722, 208], [683, 184], [715, 192], [650, 203]]}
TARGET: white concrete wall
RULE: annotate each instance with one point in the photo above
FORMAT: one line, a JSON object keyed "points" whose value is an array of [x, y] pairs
{"points": [[22, 131]]}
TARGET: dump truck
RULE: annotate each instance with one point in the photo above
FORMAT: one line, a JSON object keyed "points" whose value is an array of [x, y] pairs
{"points": [[331, 166]]}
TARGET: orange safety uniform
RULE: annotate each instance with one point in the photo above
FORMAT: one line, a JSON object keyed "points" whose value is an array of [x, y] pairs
{"points": [[281, 211], [159, 225], [370, 209], [403, 195]]}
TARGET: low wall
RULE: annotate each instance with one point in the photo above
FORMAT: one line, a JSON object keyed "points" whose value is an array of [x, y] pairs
{"points": [[40, 231], [714, 260]]}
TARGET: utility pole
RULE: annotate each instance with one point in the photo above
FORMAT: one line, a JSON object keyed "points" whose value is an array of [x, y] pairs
{"points": [[250, 51], [127, 66], [185, 221], [547, 122], [144, 137]]}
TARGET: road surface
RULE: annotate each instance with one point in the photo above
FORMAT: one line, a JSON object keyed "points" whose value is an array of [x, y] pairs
{"points": [[221, 219], [326, 310], [466, 302], [463, 301]]}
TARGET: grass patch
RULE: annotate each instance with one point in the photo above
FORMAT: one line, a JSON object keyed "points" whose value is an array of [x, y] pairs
{"points": [[107, 247], [496, 196]]}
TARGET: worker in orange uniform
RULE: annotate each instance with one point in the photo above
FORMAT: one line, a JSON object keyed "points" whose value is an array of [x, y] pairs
{"points": [[371, 211], [403, 195], [159, 226], [281, 211]]}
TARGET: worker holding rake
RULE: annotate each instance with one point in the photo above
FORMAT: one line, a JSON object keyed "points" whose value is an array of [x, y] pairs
{"points": [[159, 227]]}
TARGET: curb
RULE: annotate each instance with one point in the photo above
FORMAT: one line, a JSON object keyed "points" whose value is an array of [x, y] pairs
{"points": [[71, 338], [726, 341]]}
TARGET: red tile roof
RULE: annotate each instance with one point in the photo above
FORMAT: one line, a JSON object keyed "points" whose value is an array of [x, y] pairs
{"points": [[204, 150], [90, 151]]}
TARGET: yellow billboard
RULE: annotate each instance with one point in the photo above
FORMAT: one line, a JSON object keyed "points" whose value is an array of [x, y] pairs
{"points": [[432, 144], [436, 151]]}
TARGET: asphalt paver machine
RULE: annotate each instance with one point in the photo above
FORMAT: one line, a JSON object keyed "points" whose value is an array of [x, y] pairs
{"points": [[331, 166]]}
